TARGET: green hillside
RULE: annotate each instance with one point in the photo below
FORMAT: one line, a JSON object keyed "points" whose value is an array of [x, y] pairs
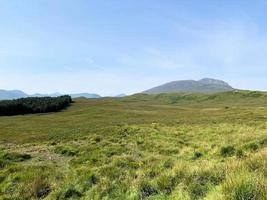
{"points": [[163, 146]]}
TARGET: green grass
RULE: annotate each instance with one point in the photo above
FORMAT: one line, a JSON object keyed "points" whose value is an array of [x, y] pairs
{"points": [[167, 146]]}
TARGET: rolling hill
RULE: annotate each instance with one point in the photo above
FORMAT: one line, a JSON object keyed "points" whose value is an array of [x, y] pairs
{"points": [[206, 85]]}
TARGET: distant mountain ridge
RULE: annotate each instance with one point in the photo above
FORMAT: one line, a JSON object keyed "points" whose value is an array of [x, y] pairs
{"points": [[16, 94], [206, 85], [12, 94], [86, 95], [121, 95]]}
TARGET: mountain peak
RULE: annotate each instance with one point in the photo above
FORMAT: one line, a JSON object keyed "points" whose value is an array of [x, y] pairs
{"points": [[205, 85], [213, 81]]}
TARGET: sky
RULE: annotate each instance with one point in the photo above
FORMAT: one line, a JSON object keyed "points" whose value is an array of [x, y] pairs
{"points": [[127, 46]]}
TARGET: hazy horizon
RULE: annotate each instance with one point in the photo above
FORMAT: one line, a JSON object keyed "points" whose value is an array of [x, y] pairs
{"points": [[109, 47], [115, 94]]}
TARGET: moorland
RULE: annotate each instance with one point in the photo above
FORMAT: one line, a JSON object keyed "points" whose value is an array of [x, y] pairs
{"points": [[163, 146]]}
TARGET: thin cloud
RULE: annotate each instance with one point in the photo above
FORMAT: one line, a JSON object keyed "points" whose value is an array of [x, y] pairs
{"points": [[89, 60]]}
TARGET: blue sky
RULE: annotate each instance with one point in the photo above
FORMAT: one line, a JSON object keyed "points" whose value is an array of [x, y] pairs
{"points": [[127, 46]]}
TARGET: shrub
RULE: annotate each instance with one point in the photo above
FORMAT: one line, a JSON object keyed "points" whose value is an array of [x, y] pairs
{"points": [[227, 151]]}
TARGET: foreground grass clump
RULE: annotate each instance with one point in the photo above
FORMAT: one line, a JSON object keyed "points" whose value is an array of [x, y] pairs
{"points": [[245, 187], [20, 182], [168, 146]]}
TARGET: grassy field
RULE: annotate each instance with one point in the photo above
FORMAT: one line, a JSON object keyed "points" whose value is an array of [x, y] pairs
{"points": [[171, 146]]}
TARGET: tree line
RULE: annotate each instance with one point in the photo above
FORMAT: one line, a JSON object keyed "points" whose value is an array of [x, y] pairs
{"points": [[34, 105]]}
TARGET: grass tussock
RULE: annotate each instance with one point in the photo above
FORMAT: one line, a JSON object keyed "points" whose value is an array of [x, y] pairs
{"points": [[245, 186]]}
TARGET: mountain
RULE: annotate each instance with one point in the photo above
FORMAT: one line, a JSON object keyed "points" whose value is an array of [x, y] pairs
{"points": [[206, 85], [121, 95], [86, 95], [16, 94], [45, 95], [11, 94]]}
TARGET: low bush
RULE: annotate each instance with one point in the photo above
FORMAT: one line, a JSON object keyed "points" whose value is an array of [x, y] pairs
{"points": [[227, 151], [66, 151]]}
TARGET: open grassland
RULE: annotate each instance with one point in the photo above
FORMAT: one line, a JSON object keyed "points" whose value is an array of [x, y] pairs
{"points": [[171, 146]]}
